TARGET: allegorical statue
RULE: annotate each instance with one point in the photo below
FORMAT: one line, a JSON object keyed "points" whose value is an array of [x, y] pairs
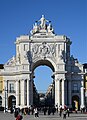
{"points": [[43, 22], [50, 28], [42, 25]]}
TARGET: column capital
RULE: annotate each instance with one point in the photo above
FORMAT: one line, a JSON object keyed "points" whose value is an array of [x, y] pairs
{"points": [[17, 80]]}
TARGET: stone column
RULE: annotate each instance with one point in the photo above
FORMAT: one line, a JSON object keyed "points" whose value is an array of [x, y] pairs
{"points": [[69, 93], [30, 92], [63, 93], [22, 92], [17, 93], [57, 92], [27, 93], [82, 94], [6, 94]]}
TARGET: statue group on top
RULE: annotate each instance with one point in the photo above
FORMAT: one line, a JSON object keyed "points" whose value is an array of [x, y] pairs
{"points": [[41, 25]]}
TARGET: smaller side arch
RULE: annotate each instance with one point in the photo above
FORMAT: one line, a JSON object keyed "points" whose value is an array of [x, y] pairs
{"points": [[75, 102], [11, 101]]}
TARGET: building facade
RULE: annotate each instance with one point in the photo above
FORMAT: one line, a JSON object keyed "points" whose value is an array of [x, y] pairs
{"points": [[43, 47], [85, 83]]}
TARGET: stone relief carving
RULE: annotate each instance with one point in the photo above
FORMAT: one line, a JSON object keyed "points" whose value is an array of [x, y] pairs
{"points": [[44, 49], [35, 49]]}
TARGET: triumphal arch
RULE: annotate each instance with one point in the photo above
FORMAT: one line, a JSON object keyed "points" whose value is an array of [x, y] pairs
{"points": [[43, 47]]}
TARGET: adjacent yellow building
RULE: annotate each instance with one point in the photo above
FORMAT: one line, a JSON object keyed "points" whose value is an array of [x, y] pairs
{"points": [[85, 83], [1, 85]]}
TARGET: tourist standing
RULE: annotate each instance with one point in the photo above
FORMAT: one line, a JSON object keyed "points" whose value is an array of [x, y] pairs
{"points": [[36, 112]]}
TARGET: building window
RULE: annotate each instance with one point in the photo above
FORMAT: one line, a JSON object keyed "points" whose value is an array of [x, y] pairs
{"points": [[18, 49], [25, 47], [11, 88], [75, 88]]}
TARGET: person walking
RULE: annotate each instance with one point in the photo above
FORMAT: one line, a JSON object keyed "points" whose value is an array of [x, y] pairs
{"points": [[64, 114], [19, 117], [68, 112], [36, 112]]}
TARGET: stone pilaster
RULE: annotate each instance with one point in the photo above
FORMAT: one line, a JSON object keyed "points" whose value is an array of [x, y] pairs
{"points": [[63, 93], [17, 93], [57, 92], [22, 92], [69, 93], [82, 94], [27, 92]]}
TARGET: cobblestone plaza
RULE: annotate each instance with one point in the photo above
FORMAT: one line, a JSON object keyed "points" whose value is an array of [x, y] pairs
{"points": [[78, 116]]}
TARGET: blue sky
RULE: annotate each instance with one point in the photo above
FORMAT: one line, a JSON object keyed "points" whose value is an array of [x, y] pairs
{"points": [[69, 17]]}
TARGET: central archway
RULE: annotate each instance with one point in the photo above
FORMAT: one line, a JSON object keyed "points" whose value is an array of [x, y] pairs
{"points": [[44, 97]]}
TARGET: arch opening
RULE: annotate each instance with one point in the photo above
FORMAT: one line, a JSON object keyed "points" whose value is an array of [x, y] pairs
{"points": [[11, 101], [43, 84], [75, 102]]}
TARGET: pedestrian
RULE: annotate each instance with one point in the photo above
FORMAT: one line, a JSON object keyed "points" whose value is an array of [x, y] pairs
{"points": [[60, 111], [53, 110], [64, 114], [49, 111], [19, 117], [45, 110], [36, 112], [68, 112], [16, 112]]}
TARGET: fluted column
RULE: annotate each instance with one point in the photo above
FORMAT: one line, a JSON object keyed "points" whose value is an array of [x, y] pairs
{"points": [[17, 93], [63, 93]]}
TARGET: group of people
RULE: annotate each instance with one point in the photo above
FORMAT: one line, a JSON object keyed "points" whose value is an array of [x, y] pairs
{"points": [[35, 111], [64, 112], [18, 113]]}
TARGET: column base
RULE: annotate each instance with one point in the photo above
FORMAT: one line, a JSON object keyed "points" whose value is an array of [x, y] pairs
{"points": [[82, 106]]}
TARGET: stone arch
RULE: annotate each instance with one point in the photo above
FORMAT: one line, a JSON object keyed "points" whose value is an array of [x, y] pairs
{"points": [[51, 65], [75, 102], [0, 101], [11, 101], [43, 62]]}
